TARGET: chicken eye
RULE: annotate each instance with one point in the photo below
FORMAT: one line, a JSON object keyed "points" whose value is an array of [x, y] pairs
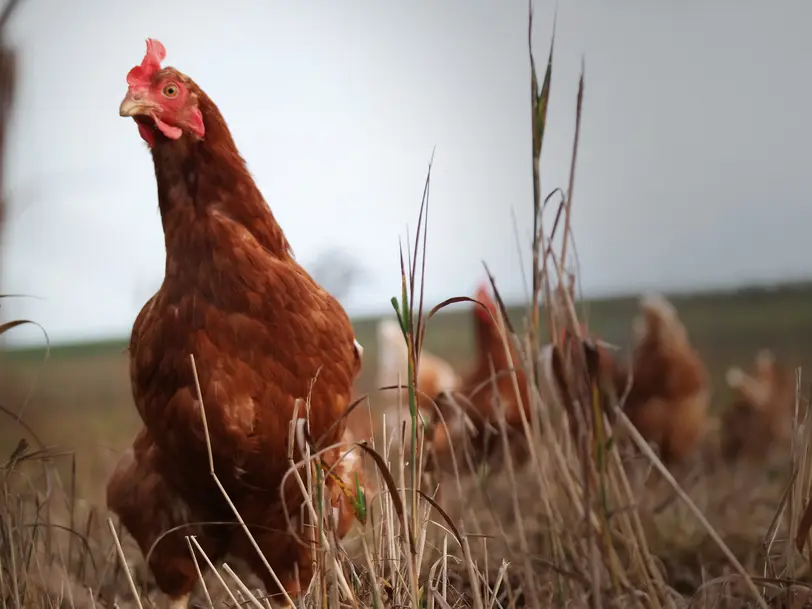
{"points": [[170, 90]]}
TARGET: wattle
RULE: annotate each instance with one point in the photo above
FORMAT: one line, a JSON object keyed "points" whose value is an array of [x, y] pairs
{"points": [[147, 133], [169, 131]]}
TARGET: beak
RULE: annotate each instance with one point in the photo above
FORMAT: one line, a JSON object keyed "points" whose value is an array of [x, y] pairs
{"points": [[131, 106]]}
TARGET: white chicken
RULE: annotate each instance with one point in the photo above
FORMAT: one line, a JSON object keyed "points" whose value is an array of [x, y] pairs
{"points": [[434, 375]]}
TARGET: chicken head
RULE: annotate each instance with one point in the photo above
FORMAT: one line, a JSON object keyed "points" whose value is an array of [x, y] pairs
{"points": [[160, 100]]}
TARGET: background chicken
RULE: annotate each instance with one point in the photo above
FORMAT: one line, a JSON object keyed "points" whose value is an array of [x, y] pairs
{"points": [[761, 415], [668, 399], [263, 334], [434, 375], [470, 413], [350, 493]]}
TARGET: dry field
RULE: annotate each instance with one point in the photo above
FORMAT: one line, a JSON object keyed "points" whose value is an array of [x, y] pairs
{"points": [[78, 404]]}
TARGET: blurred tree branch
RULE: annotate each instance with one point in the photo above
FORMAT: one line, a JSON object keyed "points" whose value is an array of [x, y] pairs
{"points": [[8, 10], [337, 272], [8, 69]]}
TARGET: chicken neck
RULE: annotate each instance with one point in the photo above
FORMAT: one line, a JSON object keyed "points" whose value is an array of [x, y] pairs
{"points": [[198, 179]]}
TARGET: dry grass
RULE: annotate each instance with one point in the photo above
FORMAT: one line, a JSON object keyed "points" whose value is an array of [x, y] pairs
{"points": [[594, 520], [527, 538]]}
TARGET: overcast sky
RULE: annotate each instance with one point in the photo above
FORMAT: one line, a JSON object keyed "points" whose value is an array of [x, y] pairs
{"points": [[693, 167]]}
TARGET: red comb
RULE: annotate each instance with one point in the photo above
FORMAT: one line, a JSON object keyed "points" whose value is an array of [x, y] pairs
{"points": [[141, 76]]}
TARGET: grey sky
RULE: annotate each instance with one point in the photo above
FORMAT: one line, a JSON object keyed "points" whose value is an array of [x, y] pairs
{"points": [[693, 166]]}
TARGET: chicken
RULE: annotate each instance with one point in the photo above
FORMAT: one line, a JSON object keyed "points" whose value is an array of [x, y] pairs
{"points": [[668, 399], [262, 332], [434, 375], [761, 416], [470, 414]]}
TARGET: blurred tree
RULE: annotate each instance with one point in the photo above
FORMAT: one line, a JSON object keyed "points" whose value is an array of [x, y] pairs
{"points": [[7, 80], [337, 272]]}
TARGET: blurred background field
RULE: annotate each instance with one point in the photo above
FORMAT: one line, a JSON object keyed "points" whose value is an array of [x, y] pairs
{"points": [[79, 398]]}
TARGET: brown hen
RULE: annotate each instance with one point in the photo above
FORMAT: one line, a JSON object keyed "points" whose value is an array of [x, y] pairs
{"points": [[470, 414], [668, 398], [761, 416], [262, 332]]}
